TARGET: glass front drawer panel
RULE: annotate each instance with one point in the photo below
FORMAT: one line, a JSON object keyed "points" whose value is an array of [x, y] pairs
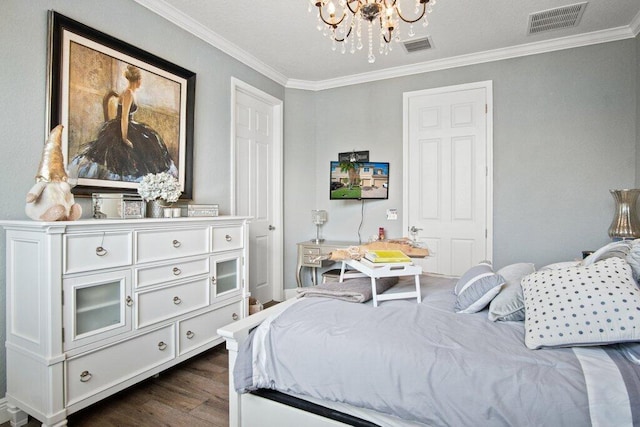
{"points": [[97, 307], [227, 276]]}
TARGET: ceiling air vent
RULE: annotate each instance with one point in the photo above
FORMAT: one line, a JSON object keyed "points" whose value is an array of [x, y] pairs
{"points": [[555, 19], [417, 45]]}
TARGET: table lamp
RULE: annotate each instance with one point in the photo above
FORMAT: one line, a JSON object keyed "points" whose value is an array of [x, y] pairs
{"points": [[318, 217], [625, 224]]}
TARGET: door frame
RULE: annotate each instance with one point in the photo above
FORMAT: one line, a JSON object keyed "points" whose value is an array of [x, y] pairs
{"points": [[487, 85], [276, 177]]}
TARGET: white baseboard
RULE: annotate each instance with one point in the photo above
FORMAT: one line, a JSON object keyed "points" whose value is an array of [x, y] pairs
{"points": [[4, 412]]}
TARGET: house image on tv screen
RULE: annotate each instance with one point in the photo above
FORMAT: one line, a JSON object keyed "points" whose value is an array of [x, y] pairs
{"points": [[367, 180]]}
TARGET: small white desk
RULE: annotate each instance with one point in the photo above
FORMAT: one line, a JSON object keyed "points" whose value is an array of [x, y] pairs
{"points": [[385, 270]]}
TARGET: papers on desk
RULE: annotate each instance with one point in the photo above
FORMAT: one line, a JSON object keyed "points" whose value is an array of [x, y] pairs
{"points": [[387, 257]]}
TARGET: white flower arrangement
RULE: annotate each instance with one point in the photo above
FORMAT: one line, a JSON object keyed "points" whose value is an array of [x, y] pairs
{"points": [[159, 186]]}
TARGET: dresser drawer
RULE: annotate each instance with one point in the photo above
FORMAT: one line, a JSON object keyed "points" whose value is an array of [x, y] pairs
{"points": [[311, 261], [157, 245], [311, 251], [88, 252], [171, 271], [310, 256], [227, 238], [165, 303], [97, 371], [202, 329]]}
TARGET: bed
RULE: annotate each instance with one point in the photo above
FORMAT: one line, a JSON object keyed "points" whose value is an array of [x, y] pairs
{"points": [[324, 361]]}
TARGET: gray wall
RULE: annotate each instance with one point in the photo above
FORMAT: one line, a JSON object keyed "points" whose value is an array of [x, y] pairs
{"points": [[23, 32], [564, 134]]}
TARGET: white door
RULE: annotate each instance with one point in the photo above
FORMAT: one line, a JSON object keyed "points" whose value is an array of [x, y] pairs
{"points": [[448, 191], [257, 150]]}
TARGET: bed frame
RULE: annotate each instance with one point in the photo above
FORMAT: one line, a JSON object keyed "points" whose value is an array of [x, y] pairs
{"points": [[254, 410]]}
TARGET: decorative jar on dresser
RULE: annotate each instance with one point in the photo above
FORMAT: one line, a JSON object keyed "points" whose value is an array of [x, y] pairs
{"points": [[95, 306]]}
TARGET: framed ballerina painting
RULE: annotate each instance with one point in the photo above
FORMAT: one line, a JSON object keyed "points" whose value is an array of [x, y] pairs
{"points": [[126, 113]]}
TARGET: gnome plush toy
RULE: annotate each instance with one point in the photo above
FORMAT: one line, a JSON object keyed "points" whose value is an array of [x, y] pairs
{"points": [[50, 199]]}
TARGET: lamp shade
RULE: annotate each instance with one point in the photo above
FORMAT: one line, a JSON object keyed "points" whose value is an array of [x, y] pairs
{"points": [[319, 217], [625, 224]]}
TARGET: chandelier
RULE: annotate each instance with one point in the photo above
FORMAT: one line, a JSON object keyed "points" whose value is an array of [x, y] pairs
{"points": [[343, 23]]}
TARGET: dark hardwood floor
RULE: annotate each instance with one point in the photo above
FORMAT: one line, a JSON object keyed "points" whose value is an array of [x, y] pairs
{"points": [[191, 394]]}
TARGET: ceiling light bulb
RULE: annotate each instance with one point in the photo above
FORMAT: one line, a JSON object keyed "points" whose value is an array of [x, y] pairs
{"points": [[331, 8]]}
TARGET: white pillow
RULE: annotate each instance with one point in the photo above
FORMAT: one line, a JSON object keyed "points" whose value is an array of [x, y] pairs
{"points": [[476, 288], [508, 305], [633, 259], [584, 305], [618, 248]]}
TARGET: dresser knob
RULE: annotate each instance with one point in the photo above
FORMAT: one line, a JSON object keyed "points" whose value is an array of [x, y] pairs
{"points": [[177, 300], [176, 271], [190, 334], [100, 251], [129, 301], [85, 376], [234, 316], [227, 238], [176, 244], [162, 346], [213, 280]]}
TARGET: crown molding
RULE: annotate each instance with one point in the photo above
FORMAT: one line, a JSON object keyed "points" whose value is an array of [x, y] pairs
{"points": [[597, 37], [634, 26], [187, 23]]}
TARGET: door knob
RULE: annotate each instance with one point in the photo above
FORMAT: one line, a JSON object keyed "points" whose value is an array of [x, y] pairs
{"points": [[271, 228], [413, 230]]}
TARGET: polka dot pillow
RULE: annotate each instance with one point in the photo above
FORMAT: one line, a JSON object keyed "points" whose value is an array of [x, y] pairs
{"points": [[582, 305]]}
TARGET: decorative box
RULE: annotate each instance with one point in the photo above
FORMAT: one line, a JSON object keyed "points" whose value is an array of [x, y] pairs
{"points": [[118, 206], [202, 210]]}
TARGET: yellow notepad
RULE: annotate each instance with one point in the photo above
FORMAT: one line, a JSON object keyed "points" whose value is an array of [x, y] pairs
{"points": [[380, 256]]}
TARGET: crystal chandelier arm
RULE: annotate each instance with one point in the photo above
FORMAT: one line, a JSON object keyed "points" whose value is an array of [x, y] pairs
{"points": [[331, 24], [357, 8], [344, 38], [384, 36], [389, 32], [412, 21]]}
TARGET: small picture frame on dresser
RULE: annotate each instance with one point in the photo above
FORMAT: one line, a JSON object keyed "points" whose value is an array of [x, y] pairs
{"points": [[118, 206]]}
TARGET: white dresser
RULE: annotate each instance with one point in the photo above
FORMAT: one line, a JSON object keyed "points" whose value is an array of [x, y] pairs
{"points": [[95, 306]]}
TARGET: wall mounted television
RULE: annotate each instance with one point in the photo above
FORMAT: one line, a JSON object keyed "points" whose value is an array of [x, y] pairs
{"points": [[359, 181]]}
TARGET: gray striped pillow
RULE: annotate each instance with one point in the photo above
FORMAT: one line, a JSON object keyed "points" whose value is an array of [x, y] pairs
{"points": [[477, 287]]}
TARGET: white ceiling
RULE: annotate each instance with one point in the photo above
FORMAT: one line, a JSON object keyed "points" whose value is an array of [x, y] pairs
{"points": [[279, 37]]}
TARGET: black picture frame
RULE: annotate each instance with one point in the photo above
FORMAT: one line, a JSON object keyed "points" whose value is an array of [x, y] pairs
{"points": [[83, 112], [354, 156]]}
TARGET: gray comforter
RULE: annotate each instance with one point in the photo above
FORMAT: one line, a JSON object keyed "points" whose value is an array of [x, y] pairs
{"points": [[424, 363]]}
